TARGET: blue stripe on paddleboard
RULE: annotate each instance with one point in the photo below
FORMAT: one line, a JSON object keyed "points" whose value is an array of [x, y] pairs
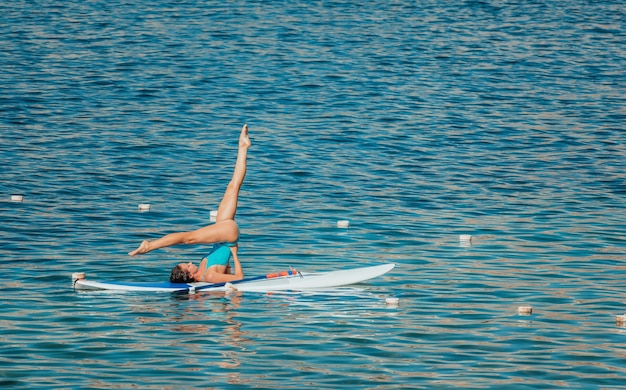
{"points": [[180, 286]]}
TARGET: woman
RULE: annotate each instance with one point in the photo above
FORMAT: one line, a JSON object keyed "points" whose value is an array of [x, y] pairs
{"points": [[224, 234]]}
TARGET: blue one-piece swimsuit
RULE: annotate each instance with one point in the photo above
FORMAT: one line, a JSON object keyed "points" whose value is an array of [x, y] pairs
{"points": [[219, 255]]}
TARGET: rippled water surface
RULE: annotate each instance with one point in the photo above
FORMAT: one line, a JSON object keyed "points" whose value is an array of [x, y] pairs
{"points": [[416, 121]]}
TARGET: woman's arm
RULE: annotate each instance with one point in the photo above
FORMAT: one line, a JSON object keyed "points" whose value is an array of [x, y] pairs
{"points": [[238, 270]]}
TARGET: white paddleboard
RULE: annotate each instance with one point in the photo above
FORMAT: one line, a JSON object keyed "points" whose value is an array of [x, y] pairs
{"points": [[289, 280]]}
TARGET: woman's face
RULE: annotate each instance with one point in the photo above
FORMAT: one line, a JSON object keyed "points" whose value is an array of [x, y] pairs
{"points": [[189, 267]]}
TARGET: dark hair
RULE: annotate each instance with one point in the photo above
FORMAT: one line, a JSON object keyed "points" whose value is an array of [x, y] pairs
{"points": [[180, 276]]}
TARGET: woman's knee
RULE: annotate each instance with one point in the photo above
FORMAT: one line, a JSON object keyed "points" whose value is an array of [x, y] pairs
{"points": [[192, 237]]}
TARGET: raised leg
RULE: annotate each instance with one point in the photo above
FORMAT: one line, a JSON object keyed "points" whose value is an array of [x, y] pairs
{"points": [[228, 205]]}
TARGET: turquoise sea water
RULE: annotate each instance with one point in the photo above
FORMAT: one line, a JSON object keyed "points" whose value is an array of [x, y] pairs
{"points": [[416, 121]]}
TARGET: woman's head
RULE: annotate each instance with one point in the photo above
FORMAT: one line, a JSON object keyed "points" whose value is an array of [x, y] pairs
{"points": [[183, 273]]}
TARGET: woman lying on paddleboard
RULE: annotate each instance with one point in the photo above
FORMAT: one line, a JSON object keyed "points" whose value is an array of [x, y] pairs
{"points": [[224, 234]]}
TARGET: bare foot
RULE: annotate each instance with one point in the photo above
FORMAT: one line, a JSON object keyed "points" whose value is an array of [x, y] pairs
{"points": [[244, 140], [143, 248]]}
